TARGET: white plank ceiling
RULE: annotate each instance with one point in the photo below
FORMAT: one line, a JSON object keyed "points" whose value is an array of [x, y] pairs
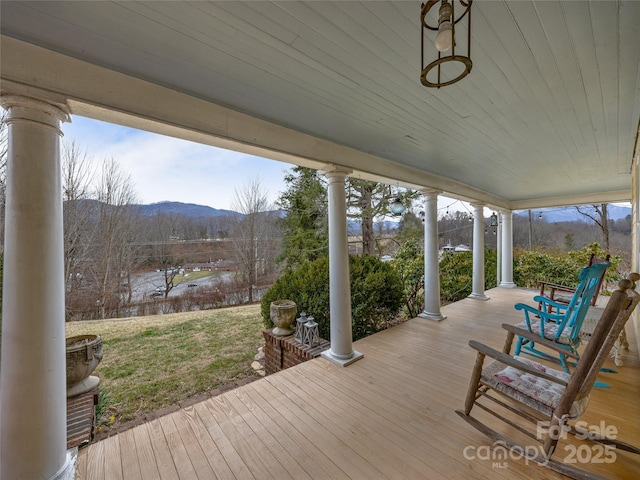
{"points": [[550, 109]]}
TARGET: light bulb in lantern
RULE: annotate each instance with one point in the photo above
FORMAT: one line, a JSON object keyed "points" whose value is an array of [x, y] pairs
{"points": [[444, 39]]}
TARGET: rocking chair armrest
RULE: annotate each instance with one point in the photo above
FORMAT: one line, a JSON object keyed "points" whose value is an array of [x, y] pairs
{"points": [[534, 337], [555, 286], [512, 362], [542, 313], [546, 302]]}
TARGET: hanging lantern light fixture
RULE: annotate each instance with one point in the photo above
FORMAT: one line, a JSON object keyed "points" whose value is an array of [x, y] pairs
{"points": [[397, 207], [447, 68], [493, 221]]}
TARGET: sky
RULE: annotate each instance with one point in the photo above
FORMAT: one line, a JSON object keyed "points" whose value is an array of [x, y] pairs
{"points": [[165, 168]]}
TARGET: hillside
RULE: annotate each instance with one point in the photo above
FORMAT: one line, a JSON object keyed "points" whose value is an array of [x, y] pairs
{"points": [[186, 209], [570, 214]]}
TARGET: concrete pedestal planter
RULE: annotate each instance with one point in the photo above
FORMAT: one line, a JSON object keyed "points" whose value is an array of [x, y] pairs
{"points": [[84, 353], [283, 313]]}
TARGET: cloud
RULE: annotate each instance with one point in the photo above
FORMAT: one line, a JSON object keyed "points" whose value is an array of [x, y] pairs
{"points": [[166, 168]]}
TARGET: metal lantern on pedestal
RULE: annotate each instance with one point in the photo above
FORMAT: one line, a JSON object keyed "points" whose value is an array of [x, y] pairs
{"points": [[311, 334], [300, 321]]}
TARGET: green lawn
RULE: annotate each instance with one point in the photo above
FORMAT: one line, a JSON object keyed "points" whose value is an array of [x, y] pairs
{"points": [[193, 276], [153, 362]]}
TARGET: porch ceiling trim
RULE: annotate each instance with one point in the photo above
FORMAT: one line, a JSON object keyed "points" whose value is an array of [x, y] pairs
{"points": [[569, 200]]}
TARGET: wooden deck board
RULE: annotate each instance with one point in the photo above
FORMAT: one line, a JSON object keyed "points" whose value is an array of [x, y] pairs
{"points": [[324, 437], [95, 460], [272, 442], [183, 420], [368, 428], [113, 458], [388, 415], [129, 455], [397, 427], [350, 425], [212, 456], [244, 449], [146, 457], [178, 450], [164, 460], [225, 446], [305, 451]]}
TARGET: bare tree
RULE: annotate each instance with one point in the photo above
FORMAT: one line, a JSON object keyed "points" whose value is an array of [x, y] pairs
{"points": [[115, 238], [367, 200], [456, 228], [253, 234], [78, 236], [170, 269], [600, 217]]}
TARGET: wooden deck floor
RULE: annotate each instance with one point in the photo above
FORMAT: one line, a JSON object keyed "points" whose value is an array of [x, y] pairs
{"points": [[389, 415]]}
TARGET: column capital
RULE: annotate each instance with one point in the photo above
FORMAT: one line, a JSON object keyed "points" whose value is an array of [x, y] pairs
{"points": [[429, 191], [478, 204], [335, 171], [22, 109], [18, 94]]}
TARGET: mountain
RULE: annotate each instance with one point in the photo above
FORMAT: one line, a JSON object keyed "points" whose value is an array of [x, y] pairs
{"points": [[570, 214], [186, 209]]}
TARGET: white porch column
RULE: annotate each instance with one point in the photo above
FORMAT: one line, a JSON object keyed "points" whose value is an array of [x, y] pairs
{"points": [[341, 351], [431, 261], [477, 289], [507, 250], [499, 252], [635, 229], [33, 403]]}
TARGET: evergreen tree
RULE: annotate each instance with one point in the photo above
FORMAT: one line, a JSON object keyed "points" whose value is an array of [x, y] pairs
{"points": [[410, 227], [569, 242], [305, 221]]}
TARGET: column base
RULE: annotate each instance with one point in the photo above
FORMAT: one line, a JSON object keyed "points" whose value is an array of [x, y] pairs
{"points": [[436, 317], [342, 360], [478, 296], [68, 470], [507, 285]]}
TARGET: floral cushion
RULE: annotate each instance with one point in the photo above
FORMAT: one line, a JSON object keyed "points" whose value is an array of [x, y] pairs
{"points": [[550, 330], [540, 389]]}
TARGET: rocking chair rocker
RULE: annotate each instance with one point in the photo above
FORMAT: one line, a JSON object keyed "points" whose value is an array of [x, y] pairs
{"points": [[539, 393], [559, 323]]}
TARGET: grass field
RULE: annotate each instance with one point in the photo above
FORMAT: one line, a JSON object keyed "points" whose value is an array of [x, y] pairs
{"points": [[153, 362], [193, 276]]}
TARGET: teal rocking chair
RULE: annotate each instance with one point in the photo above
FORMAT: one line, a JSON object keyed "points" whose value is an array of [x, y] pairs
{"points": [[559, 323]]}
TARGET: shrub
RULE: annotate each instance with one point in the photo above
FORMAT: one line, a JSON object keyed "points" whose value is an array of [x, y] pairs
{"points": [[408, 262], [534, 267], [376, 294], [563, 268], [456, 274]]}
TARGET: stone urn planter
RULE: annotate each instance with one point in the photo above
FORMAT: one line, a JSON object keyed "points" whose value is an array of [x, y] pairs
{"points": [[283, 313], [84, 353]]}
